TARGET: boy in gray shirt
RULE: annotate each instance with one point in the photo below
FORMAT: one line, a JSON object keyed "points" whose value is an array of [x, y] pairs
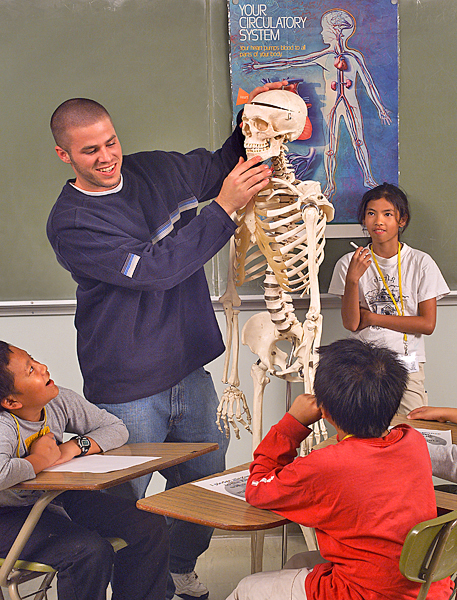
{"points": [[34, 415], [444, 459]]}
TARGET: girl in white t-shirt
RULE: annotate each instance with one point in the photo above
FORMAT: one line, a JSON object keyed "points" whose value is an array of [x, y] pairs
{"points": [[389, 290]]}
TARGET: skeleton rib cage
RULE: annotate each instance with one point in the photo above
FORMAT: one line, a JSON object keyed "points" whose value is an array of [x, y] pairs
{"points": [[276, 222]]}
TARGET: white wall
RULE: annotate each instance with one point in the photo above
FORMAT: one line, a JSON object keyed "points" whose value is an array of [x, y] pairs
{"points": [[52, 340]]}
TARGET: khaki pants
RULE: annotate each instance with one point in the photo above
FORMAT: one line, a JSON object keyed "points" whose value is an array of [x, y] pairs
{"points": [[415, 394], [278, 585]]}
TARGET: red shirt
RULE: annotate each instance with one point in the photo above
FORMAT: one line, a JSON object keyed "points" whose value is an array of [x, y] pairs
{"points": [[361, 495]]}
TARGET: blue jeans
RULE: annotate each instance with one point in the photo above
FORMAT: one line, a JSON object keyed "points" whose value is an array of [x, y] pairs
{"points": [[77, 547], [184, 413]]}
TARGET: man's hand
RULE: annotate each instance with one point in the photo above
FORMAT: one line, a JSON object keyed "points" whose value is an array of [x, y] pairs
{"points": [[305, 409], [245, 181], [44, 452], [249, 177], [274, 85]]}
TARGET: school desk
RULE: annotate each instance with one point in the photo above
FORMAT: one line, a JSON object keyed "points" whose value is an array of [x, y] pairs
{"points": [[192, 503], [53, 484], [433, 425]]}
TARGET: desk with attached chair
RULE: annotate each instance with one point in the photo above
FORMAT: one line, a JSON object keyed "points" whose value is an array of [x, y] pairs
{"points": [[14, 572]]}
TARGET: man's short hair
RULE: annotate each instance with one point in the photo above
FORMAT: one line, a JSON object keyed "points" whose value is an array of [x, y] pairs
{"points": [[360, 386], [6, 377], [76, 112]]}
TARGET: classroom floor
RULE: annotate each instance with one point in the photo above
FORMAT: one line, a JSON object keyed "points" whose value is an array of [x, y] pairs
{"points": [[228, 560]]}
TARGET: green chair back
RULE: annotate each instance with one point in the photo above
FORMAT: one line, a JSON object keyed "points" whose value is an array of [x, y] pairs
{"points": [[430, 551]]}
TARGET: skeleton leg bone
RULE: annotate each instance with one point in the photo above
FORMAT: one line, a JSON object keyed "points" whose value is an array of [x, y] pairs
{"points": [[261, 380]]}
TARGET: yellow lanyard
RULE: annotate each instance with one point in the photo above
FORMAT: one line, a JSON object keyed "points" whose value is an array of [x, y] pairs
{"points": [[40, 433], [402, 311], [347, 436]]}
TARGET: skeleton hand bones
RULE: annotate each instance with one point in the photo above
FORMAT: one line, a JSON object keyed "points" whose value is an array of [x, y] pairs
{"points": [[225, 413]]}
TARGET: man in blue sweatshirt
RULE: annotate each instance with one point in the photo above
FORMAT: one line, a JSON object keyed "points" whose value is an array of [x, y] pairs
{"points": [[127, 229]]}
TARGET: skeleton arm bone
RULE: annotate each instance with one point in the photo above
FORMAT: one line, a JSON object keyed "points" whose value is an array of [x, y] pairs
{"points": [[229, 299], [313, 322], [311, 216], [232, 395]]}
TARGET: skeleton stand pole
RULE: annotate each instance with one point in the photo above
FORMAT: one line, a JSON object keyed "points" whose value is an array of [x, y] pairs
{"points": [[284, 527]]}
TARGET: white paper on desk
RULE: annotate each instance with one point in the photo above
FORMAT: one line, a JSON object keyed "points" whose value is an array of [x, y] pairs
{"points": [[232, 484], [99, 463], [437, 437]]}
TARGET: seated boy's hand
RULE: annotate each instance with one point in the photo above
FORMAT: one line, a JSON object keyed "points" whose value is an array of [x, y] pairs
{"points": [[68, 450], [44, 452], [433, 413], [305, 409]]}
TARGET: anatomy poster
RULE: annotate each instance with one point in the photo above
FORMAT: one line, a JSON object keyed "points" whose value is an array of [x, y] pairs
{"points": [[342, 59]]}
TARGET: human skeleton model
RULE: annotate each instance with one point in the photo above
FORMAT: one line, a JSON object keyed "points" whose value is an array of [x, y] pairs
{"points": [[280, 236]]}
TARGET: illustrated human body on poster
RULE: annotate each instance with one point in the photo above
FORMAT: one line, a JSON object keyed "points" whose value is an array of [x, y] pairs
{"points": [[343, 61]]}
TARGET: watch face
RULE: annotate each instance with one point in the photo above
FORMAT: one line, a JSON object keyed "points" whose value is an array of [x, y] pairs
{"points": [[83, 443]]}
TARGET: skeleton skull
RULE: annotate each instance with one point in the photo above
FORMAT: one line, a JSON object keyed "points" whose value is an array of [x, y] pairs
{"points": [[272, 119]]}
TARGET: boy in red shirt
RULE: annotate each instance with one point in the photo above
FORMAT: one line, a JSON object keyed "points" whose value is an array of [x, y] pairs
{"points": [[362, 495]]}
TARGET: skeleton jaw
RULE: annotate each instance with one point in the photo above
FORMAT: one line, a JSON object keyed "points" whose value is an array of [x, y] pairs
{"points": [[265, 149]]}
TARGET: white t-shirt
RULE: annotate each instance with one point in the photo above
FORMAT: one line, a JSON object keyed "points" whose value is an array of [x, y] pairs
{"points": [[421, 280]]}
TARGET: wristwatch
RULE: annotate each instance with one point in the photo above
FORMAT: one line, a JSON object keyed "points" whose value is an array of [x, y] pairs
{"points": [[83, 443]]}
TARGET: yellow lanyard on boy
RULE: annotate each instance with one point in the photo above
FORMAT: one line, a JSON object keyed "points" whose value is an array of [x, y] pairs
{"points": [[43, 430], [402, 311]]}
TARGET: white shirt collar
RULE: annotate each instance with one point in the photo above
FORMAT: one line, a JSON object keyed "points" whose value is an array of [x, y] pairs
{"points": [[118, 188]]}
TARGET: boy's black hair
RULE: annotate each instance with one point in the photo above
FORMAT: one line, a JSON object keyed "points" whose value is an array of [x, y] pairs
{"points": [[360, 386], [393, 194], [6, 377]]}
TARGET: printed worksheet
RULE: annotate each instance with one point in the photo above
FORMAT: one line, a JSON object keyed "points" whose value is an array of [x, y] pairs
{"points": [[233, 484], [99, 463], [437, 438]]}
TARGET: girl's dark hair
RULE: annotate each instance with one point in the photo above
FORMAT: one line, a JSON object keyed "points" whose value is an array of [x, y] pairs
{"points": [[393, 194], [6, 377]]}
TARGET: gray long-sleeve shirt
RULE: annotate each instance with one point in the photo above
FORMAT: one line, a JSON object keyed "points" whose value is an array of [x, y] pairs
{"points": [[67, 413], [444, 461]]}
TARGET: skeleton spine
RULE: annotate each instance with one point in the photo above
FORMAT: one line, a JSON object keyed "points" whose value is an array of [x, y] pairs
{"points": [[276, 306]]}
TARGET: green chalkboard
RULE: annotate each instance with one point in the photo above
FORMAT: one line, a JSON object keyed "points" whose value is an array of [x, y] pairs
{"points": [[428, 127], [161, 68]]}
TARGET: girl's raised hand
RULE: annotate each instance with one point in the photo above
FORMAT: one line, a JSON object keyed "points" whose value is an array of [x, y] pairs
{"points": [[360, 262]]}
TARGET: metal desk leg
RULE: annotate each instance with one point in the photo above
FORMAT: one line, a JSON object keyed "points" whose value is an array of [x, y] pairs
{"points": [[24, 534], [284, 546], [257, 539]]}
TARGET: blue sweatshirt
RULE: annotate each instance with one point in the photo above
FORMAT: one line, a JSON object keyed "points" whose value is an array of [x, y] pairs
{"points": [[144, 317]]}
